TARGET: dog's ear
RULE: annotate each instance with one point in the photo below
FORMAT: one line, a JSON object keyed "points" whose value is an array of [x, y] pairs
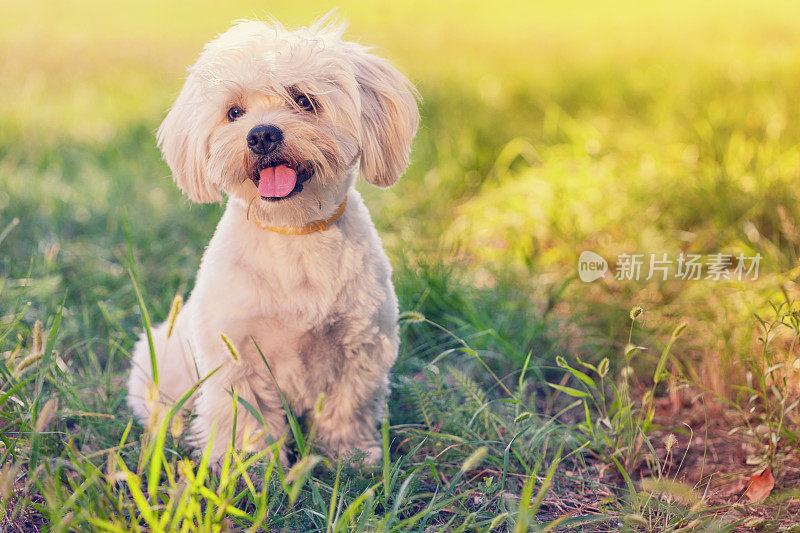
{"points": [[185, 147], [389, 119]]}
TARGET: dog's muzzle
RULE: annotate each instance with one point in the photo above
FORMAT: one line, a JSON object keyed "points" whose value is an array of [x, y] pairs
{"points": [[275, 177]]}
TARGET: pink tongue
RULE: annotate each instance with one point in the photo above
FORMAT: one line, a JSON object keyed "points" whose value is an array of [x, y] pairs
{"points": [[276, 182]]}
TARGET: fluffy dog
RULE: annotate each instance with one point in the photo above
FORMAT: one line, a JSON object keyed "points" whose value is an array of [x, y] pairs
{"points": [[282, 122]]}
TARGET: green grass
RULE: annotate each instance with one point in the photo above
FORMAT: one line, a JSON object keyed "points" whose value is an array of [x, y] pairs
{"points": [[546, 130]]}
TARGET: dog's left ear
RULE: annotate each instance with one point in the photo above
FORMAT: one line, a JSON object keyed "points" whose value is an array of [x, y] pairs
{"points": [[389, 119]]}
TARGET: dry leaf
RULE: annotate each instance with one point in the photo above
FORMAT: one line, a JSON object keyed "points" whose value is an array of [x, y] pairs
{"points": [[760, 485]]}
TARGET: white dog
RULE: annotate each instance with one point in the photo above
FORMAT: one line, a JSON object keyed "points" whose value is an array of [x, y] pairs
{"points": [[281, 122]]}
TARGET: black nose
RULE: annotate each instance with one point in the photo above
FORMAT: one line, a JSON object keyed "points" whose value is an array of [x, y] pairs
{"points": [[264, 139]]}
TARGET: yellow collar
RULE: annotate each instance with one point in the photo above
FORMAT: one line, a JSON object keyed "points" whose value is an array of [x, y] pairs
{"points": [[311, 227]]}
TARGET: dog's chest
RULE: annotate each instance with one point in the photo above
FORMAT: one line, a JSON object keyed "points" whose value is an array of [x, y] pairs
{"points": [[301, 362], [303, 280], [273, 341], [296, 284]]}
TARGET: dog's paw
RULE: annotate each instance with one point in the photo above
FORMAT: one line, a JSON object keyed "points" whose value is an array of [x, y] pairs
{"points": [[362, 457], [372, 454]]}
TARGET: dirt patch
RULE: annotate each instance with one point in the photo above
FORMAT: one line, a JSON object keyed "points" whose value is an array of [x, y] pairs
{"points": [[718, 462], [695, 444]]}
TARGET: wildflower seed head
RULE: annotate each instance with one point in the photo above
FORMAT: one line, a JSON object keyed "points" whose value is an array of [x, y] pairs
{"points": [[176, 425], [231, 348], [647, 398], [8, 475], [151, 395], [37, 346], [670, 442], [156, 418], [474, 459], [602, 368], [320, 403], [46, 414], [177, 303], [26, 362], [111, 463], [186, 469], [497, 521], [412, 316], [251, 440]]}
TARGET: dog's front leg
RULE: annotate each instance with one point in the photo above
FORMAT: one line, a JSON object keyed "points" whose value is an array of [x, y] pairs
{"points": [[349, 418], [354, 400], [349, 361], [218, 417]]}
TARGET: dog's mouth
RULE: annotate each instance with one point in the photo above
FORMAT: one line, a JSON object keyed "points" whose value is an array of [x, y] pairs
{"points": [[278, 180]]}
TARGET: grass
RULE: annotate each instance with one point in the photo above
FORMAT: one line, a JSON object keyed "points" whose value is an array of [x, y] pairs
{"points": [[523, 398]]}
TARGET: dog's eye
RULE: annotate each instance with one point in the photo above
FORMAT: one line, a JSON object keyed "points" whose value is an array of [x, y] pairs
{"points": [[234, 113], [304, 102]]}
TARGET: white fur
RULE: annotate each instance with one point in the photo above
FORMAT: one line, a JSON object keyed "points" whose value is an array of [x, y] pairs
{"points": [[321, 306]]}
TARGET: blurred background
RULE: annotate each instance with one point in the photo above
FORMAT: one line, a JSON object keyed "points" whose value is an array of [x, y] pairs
{"points": [[547, 129]]}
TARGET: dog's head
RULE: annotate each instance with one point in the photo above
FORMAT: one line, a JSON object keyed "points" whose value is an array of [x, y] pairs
{"points": [[285, 117]]}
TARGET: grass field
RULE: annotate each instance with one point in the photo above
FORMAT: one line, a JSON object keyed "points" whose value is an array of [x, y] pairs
{"points": [[523, 398]]}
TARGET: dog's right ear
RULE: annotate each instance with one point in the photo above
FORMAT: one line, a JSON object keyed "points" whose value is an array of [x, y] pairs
{"points": [[185, 147]]}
